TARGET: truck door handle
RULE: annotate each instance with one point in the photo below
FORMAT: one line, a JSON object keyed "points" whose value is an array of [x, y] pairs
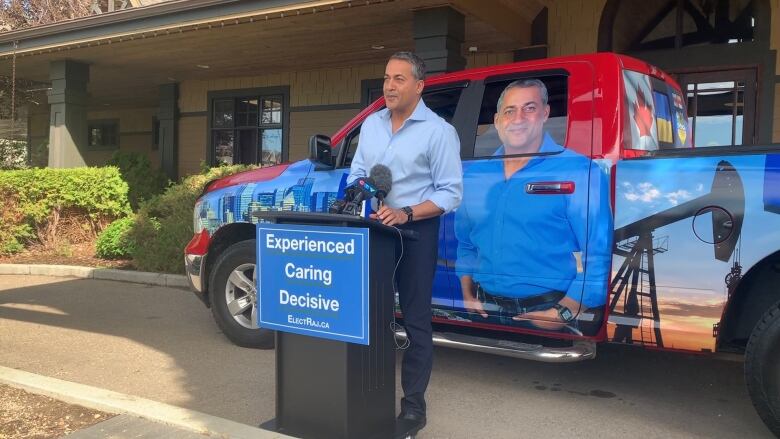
{"points": [[550, 187]]}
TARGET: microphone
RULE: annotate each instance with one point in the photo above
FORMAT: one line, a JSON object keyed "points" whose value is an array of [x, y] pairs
{"points": [[362, 189], [384, 181]]}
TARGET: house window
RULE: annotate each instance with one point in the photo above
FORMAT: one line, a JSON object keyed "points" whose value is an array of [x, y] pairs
{"points": [[248, 127], [370, 90], [103, 134], [155, 133]]}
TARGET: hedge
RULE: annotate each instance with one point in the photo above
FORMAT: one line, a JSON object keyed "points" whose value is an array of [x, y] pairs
{"points": [[38, 204], [163, 224], [143, 181], [114, 241]]}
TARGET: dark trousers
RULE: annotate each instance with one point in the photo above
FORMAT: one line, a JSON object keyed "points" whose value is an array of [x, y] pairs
{"points": [[415, 282]]}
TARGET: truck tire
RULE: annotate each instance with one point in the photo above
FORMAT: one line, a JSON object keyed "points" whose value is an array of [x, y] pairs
{"points": [[233, 296], [762, 368]]}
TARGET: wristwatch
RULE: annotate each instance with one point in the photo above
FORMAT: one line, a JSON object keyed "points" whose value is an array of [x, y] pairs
{"points": [[409, 213], [564, 313]]}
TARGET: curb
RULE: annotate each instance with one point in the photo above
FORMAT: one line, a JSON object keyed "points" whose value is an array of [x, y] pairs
{"points": [[114, 402], [139, 277]]}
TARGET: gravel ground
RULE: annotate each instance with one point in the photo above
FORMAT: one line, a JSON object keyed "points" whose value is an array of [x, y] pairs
{"points": [[25, 415]]}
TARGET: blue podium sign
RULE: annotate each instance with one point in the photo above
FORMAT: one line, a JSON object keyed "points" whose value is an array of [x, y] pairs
{"points": [[313, 280]]}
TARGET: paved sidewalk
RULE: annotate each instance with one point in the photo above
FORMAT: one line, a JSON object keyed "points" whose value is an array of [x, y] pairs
{"points": [[127, 426], [139, 417], [139, 277]]}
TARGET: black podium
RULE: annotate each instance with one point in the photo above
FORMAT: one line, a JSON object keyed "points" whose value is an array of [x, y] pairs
{"points": [[335, 389]]}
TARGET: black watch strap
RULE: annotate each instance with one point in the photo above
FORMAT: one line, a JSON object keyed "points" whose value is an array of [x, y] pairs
{"points": [[565, 313], [409, 213]]}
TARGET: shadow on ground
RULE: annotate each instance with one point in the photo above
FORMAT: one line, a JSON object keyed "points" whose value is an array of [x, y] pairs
{"points": [[162, 344]]}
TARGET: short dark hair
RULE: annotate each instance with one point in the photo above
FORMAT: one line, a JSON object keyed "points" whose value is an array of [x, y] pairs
{"points": [[418, 65], [524, 83]]}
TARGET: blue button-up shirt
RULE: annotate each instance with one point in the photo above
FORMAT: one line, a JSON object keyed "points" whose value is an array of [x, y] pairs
{"points": [[517, 244], [423, 156]]}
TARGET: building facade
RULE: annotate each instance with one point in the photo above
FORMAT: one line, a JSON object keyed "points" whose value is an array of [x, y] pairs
{"points": [[204, 81]]}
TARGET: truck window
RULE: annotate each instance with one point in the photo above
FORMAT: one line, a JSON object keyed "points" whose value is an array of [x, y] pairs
{"points": [[487, 141], [443, 102], [655, 116]]}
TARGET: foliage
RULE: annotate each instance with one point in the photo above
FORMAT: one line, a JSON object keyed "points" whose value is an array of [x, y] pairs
{"points": [[40, 204], [163, 225], [13, 230], [143, 181], [114, 241], [13, 154], [20, 14]]}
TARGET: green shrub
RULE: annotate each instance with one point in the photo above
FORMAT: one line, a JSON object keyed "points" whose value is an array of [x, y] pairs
{"points": [[163, 225], [13, 231], [13, 154], [114, 241], [143, 181], [39, 204]]}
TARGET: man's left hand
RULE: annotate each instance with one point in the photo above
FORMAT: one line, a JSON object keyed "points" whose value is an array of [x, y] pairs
{"points": [[389, 216], [548, 319]]}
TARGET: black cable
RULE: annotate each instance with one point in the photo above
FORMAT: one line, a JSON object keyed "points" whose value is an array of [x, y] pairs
{"points": [[394, 326]]}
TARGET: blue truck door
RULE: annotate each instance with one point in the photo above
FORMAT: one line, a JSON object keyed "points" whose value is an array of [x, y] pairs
{"points": [[533, 246]]}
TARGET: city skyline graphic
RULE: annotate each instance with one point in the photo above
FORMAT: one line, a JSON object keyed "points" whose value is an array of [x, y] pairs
{"points": [[295, 190]]}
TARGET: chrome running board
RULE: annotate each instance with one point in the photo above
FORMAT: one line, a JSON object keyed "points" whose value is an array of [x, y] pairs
{"points": [[578, 351]]}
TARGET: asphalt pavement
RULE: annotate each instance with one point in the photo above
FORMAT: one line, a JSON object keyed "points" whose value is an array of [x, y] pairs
{"points": [[161, 344]]}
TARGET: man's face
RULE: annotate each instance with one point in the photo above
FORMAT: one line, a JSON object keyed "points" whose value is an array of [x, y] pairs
{"points": [[401, 89], [520, 120]]}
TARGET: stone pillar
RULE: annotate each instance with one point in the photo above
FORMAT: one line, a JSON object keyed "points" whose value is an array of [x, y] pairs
{"points": [[68, 114], [438, 36], [168, 117]]}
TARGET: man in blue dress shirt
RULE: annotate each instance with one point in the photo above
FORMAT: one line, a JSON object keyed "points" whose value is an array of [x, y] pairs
{"points": [[516, 246], [423, 154]]}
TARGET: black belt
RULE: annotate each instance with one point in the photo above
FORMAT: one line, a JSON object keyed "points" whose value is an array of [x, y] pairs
{"points": [[536, 302]]}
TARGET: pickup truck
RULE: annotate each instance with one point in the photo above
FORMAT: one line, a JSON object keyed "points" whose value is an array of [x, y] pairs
{"points": [[662, 245]]}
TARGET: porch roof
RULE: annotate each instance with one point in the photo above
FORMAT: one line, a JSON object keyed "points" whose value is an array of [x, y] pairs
{"points": [[132, 52]]}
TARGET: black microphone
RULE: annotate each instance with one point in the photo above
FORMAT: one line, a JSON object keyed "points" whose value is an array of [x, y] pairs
{"points": [[364, 188], [349, 195], [384, 181], [337, 206]]}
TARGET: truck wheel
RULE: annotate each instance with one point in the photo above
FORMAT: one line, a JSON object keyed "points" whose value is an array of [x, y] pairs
{"points": [[762, 373], [233, 296]]}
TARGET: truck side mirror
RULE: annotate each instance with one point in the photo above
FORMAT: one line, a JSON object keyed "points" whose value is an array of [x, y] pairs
{"points": [[320, 152]]}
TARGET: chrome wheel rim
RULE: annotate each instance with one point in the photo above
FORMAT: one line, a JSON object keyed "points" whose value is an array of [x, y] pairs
{"points": [[241, 296]]}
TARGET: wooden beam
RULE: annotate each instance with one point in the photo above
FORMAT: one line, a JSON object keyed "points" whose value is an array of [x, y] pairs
{"points": [[654, 22], [502, 18]]}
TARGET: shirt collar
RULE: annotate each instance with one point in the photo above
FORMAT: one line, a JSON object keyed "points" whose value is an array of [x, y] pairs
{"points": [[548, 145], [420, 112]]}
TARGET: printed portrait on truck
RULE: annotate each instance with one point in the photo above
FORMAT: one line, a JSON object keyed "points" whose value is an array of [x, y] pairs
{"points": [[534, 229]]}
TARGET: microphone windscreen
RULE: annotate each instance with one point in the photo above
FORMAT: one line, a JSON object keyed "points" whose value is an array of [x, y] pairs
{"points": [[382, 177]]}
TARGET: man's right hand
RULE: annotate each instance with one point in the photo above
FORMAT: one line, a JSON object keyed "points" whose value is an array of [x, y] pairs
{"points": [[470, 301]]}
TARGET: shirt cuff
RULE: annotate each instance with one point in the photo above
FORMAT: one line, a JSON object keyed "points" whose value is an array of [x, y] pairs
{"points": [[444, 201]]}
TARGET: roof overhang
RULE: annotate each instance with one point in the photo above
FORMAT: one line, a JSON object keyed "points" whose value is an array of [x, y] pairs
{"points": [[132, 52]]}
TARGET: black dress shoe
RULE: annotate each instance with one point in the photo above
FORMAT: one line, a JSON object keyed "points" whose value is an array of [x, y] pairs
{"points": [[411, 423]]}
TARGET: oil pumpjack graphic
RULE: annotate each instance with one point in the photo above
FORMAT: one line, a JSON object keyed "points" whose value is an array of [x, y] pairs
{"points": [[634, 303]]}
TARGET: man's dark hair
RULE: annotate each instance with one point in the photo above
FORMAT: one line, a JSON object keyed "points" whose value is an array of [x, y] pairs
{"points": [[418, 65], [523, 83]]}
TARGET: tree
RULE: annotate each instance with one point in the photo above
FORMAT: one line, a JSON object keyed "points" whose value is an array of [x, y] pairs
{"points": [[21, 14]]}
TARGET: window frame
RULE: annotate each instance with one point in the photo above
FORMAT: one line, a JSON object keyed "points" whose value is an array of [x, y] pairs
{"points": [[476, 104], [249, 93], [102, 123], [460, 109], [155, 133]]}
